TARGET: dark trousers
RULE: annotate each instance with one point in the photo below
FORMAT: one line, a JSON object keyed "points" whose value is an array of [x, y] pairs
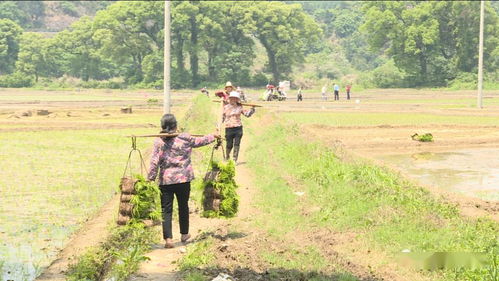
{"points": [[182, 192], [300, 98], [348, 95], [336, 95], [233, 138]]}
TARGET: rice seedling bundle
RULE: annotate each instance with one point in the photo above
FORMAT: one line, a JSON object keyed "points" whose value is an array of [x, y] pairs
{"points": [[220, 198], [139, 201]]}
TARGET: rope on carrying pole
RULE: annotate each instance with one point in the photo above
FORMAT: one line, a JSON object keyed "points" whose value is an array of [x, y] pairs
{"points": [[128, 166], [215, 147]]}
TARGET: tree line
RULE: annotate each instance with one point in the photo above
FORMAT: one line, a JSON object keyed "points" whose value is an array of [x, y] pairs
{"points": [[387, 44]]}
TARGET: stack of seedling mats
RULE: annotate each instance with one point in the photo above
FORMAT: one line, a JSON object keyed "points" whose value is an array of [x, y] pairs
{"points": [[220, 198]]}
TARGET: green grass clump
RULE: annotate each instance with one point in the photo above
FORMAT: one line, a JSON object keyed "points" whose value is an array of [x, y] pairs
{"points": [[423, 138], [146, 201], [227, 186], [198, 255], [115, 259]]}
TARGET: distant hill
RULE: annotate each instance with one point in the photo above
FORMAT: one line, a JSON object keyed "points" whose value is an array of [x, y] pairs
{"points": [[49, 16]]}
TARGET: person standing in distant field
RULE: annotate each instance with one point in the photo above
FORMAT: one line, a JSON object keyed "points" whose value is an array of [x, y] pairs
{"points": [[205, 91], [323, 92], [348, 88], [300, 96], [336, 89]]}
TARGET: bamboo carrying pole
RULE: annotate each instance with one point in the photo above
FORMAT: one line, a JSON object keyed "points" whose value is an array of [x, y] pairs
{"points": [[159, 136], [242, 103]]}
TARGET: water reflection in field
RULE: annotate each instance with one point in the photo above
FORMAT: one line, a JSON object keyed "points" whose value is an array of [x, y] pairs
{"points": [[473, 172]]}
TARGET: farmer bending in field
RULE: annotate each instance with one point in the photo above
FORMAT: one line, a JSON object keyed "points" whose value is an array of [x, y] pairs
{"points": [[233, 126], [225, 93], [173, 157]]}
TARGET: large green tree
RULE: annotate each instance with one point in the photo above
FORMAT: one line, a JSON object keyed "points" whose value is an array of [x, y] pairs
{"points": [[10, 33], [407, 30], [127, 32], [81, 52], [10, 10], [430, 41], [284, 31], [30, 58]]}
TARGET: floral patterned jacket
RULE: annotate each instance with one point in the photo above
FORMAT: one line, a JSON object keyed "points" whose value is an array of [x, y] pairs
{"points": [[232, 115], [173, 158]]}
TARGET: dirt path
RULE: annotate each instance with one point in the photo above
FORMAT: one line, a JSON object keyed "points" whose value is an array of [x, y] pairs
{"points": [[94, 232], [162, 264]]}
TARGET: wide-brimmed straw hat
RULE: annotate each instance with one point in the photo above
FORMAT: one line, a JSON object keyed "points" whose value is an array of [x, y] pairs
{"points": [[228, 84]]}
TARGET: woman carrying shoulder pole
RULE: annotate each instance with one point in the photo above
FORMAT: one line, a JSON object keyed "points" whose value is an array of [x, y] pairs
{"points": [[172, 155], [233, 125]]}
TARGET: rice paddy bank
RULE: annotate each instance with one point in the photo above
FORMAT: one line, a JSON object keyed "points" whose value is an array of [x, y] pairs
{"points": [[369, 210]]}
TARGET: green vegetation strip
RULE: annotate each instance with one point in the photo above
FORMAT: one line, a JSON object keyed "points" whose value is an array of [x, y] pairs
{"points": [[387, 211], [118, 257]]}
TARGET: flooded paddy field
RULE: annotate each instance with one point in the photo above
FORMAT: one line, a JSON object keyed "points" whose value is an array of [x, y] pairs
{"points": [[472, 172], [60, 168], [378, 125]]}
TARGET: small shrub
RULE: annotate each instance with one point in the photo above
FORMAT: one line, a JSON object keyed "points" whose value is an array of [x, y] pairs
{"points": [[388, 76], [16, 80], [464, 81], [259, 79], [68, 8]]}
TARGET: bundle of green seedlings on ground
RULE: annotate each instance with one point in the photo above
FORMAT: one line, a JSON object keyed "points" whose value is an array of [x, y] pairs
{"points": [[116, 258], [221, 188], [146, 201], [423, 138]]}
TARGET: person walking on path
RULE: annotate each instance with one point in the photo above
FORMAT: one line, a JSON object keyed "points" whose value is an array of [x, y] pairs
{"points": [[348, 88], [336, 89], [172, 155], [225, 93], [323, 92], [300, 96], [233, 125]]}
